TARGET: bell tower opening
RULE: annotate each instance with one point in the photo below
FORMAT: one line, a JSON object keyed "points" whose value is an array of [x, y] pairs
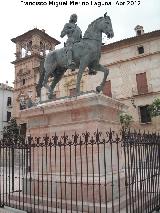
{"points": [[139, 30]]}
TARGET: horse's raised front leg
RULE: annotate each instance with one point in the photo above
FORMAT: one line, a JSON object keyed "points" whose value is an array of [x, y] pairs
{"points": [[82, 66], [101, 68]]}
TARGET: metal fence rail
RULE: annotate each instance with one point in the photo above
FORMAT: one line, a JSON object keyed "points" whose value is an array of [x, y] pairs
{"points": [[100, 173]]}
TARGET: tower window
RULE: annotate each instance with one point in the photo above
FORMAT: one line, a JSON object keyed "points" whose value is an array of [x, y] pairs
{"points": [[23, 52], [22, 104], [140, 49], [144, 114], [139, 32], [23, 81]]}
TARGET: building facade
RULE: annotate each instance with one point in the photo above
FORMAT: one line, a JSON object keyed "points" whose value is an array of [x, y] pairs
{"points": [[134, 73], [133, 79], [6, 98]]}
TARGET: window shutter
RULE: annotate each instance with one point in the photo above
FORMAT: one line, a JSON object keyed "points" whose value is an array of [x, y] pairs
{"points": [[142, 85]]}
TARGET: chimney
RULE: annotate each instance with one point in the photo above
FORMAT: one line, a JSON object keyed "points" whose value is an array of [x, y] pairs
{"points": [[139, 30], [43, 30]]}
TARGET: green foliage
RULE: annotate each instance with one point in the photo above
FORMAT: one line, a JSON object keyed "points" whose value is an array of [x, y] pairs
{"points": [[125, 120], [154, 108], [12, 131]]}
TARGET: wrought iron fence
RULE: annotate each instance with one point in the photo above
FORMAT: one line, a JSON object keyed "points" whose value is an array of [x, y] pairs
{"points": [[100, 173]]}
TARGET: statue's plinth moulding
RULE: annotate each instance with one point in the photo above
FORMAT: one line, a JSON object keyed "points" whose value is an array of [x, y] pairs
{"points": [[86, 112]]}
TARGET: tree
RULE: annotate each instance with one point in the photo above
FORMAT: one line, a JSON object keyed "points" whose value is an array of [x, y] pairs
{"points": [[154, 108], [125, 120], [11, 132], [13, 140]]}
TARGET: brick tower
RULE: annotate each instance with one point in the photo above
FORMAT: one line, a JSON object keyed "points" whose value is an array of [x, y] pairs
{"points": [[31, 48]]}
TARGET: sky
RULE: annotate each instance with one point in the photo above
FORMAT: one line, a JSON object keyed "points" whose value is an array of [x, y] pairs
{"points": [[18, 17]]}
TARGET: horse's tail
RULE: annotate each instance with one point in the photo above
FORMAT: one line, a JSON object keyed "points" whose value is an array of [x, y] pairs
{"points": [[41, 77]]}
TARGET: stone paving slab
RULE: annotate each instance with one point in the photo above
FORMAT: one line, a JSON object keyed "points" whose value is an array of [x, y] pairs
{"points": [[10, 210]]}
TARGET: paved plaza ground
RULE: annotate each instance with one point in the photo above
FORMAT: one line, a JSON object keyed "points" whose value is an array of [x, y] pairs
{"points": [[10, 210]]}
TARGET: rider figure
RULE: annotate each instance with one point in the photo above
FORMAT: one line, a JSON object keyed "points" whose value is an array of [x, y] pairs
{"points": [[74, 34]]}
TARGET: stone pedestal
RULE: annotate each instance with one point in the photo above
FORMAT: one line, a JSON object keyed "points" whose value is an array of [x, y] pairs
{"points": [[86, 112], [84, 169]]}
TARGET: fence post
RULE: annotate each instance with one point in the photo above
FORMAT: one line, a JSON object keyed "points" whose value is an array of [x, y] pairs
{"points": [[12, 167]]}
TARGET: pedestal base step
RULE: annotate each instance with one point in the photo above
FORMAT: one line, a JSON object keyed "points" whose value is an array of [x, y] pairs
{"points": [[42, 204]]}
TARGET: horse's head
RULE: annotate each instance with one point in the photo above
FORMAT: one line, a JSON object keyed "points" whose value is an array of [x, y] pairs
{"points": [[105, 25], [67, 30]]}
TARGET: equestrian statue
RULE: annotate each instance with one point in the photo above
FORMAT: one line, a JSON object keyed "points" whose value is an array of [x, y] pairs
{"points": [[78, 53]]}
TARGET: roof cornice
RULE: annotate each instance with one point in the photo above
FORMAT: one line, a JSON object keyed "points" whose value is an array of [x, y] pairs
{"points": [[27, 58], [33, 32], [130, 41]]}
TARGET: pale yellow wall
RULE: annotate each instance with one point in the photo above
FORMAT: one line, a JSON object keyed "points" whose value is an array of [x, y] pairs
{"points": [[124, 64]]}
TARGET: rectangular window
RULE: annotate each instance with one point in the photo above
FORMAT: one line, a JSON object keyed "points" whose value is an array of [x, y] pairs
{"points": [[9, 101], [22, 104], [23, 81], [142, 85], [72, 92], [144, 114], [8, 116], [140, 50], [107, 89]]}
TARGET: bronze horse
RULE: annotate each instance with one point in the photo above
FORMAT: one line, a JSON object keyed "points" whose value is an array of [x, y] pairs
{"points": [[86, 53]]}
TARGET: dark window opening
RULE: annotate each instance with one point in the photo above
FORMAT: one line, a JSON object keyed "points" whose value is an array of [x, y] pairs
{"points": [[145, 116], [8, 116], [139, 32], [141, 50], [107, 89], [23, 81], [22, 105], [9, 101]]}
